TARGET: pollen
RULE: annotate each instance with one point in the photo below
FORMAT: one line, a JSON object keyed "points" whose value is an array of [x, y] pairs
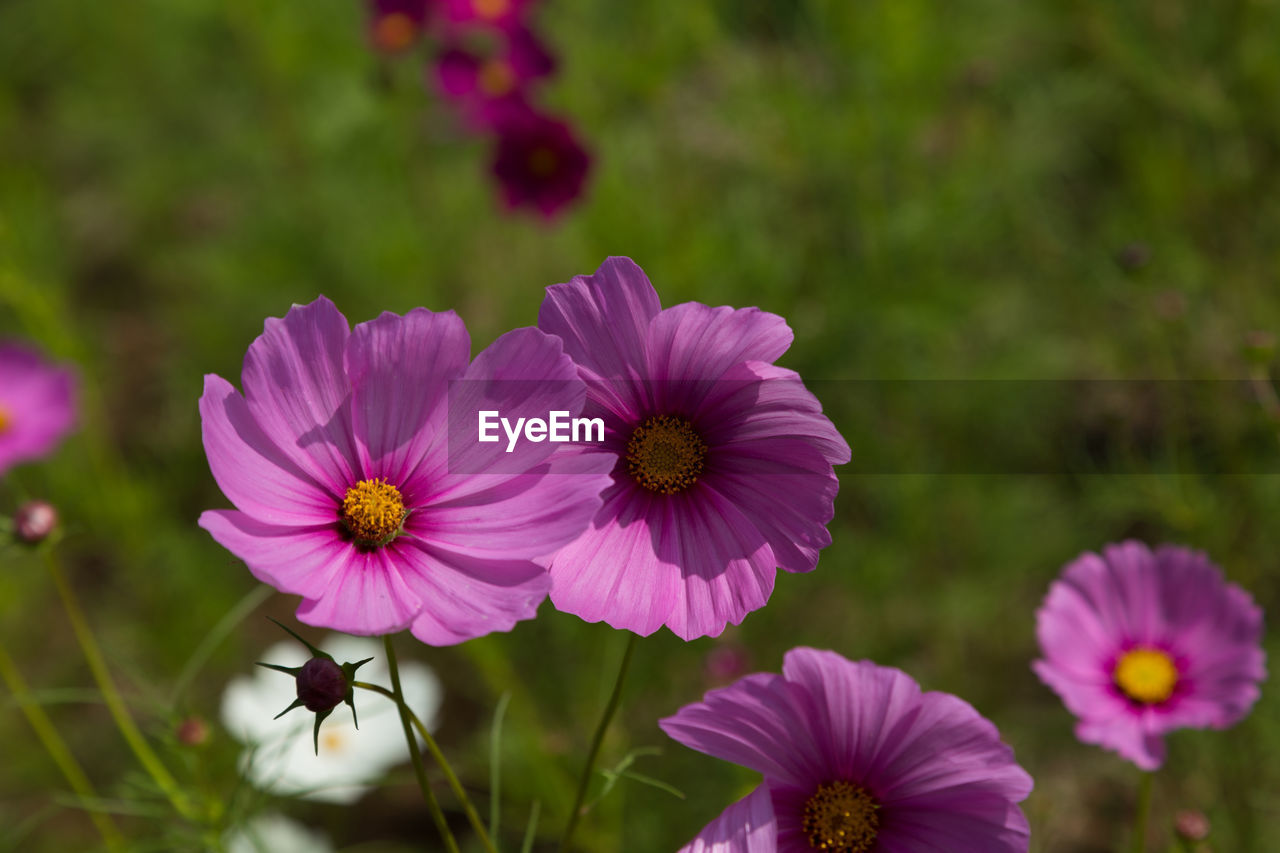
{"points": [[1146, 675], [491, 9], [542, 162], [372, 512], [395, 31], [496, 78], [665, 454], [842, 817], [6, 420]]}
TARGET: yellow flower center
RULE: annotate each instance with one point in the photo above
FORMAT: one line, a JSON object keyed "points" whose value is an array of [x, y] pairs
{"points": [[841, 816], [394, 31], [496, 78], [491, 8], [1146, 675], [542, 162], [332, 741], [665, 454], [373, 511], [6, 420]]}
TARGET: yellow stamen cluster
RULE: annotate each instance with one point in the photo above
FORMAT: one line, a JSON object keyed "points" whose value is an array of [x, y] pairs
{"points": [[6, 420], [1146, 675], [491, 9], [373, 511], [394, 31], [496, 78], [665, 454], [842, 817]]}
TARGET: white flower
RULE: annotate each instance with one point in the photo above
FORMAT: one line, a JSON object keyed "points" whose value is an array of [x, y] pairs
{"points": [[275, 833], [280, 754]]}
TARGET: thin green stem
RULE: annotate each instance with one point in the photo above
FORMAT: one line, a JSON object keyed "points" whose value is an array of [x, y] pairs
{"points": [[58, 751], [115, 704], [615, 699], [1140, 818], [405, 714], [473, 817]]}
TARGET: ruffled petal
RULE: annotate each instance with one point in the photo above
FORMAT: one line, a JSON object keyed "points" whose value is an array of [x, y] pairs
{"points": [[785, 488], [297, 390], [519, 518], [689, 347], [343, 588], [465, 597], [603, 318], [759, 722], [251, 471], [747, 826], [691, 562], [400, 368]]}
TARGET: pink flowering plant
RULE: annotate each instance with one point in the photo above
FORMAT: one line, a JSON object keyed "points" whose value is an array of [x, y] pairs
{"points": [[390, 481]]}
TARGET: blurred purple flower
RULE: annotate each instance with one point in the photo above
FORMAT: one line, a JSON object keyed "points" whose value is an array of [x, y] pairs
{"points": [[722, 462], [855, 758], [1139, 644], [37, 404], [337, 459], [491, 87], [396, 25], [494, 13], [538, 162]]}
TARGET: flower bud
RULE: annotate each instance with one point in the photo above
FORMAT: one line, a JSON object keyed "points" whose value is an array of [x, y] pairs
{"points": [[1191, 825], [322, 686], [193, 731], [1260, 347], [34, 521]]}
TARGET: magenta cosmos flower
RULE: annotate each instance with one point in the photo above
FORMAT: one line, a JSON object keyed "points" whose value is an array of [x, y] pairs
{"points": [[397, 25], [494, 13], [37, 404], [857, 759], [491, 87], [538, 162], [1138, 644], [722, 462], [343, 469]]}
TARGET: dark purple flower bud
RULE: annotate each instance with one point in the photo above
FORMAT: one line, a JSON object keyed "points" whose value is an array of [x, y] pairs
{"points": [[34, 521], [193, 731], [1191, 825], [322, 685], [539, 163], [1133, 256]]}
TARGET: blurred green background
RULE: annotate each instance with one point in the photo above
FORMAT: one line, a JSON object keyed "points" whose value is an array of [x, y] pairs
{"points": [[977, 190]]}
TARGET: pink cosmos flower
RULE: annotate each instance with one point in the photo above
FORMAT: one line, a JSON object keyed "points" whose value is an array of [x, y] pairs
{"points": [[1138, 644], [396, 25], [538, 162], [855, 758], [37, 404], [491, 87], [722, 462], [342, 460], [495, 13]]}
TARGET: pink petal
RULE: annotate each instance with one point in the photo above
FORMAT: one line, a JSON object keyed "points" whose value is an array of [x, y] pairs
{"points": [[760, 722], [464, 597], [747, 826], [251, 471], [401, 368], [603, 318], [297, 560], [297, 390], [519, 517]]}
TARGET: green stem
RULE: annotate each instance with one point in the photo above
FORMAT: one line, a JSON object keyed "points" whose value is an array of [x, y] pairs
{"points": [[398, 695], [115, 704], [1140, 818], [596, 740], [473, 817], [58, 751]]}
